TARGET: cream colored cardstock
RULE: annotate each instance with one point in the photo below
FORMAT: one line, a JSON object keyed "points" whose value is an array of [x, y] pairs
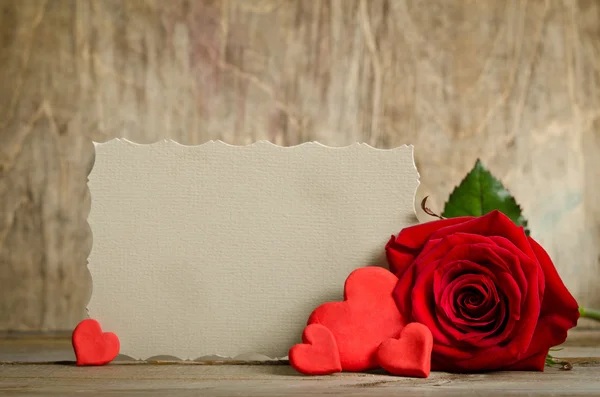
{"points": [[221, 249]]}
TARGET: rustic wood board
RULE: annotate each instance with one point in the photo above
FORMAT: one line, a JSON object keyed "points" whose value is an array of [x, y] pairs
{"points": [[514, 82], [260, 380], [46, 368]]}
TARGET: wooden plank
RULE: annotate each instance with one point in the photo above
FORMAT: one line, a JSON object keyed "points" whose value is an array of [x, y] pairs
{"points": [[515, 83], [41, 377], [181, 380]]}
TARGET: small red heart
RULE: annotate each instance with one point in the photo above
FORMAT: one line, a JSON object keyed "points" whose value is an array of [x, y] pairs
{"points": [[92, 346], [410, 355], [367, 316], [318, 355]]}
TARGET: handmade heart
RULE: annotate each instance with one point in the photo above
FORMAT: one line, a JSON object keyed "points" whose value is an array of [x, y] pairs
{"points": [[367, 316], [92, 346], [410, 355], [318, 355]]}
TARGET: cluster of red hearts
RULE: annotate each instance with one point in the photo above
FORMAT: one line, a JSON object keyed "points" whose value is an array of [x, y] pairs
{"points": [[467, 294], [364, 332]]}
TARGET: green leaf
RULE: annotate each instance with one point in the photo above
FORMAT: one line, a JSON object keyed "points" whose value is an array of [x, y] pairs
{"points": [[479, 193]]}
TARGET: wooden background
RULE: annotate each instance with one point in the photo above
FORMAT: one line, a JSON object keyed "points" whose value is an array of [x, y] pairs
{"points": [[514, 82]]}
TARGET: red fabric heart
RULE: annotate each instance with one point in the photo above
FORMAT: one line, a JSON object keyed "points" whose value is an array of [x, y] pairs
{"points": [[410, 355], [367, 316], [318, 355], [92, 346]]}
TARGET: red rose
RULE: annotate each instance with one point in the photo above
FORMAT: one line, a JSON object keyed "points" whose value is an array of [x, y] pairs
{"points": [[489, 294]]}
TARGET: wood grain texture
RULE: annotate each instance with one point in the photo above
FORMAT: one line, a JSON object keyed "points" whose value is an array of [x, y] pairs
{"points": [[514, 82], [283, 381], [39, 365]]}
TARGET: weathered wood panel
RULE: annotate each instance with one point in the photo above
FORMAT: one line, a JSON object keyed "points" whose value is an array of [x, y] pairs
{"points": [[283, 381], [44, 366], [514, 82]]}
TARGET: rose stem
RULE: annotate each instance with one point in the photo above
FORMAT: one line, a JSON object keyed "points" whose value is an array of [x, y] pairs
{"points": [[589, 313], [427, 210]]}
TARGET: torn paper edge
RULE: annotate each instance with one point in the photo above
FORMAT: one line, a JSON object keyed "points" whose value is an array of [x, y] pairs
{"points": [[245, 357]]}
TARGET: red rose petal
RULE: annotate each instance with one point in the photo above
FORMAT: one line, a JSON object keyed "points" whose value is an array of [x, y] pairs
{"points": [[496, 269], [450, 302], [448, 271], [437, 249], [493, 223], [557, 298], [551, 331], [403, 290], [423, 303], [477, 253], [537, 362], [410, 241], [473, 332], [414, 237], [517, 261], [399, 260], [559, 312]]}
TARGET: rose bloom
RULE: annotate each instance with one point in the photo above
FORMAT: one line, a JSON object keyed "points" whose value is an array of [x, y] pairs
{"points": [[489, 294]]}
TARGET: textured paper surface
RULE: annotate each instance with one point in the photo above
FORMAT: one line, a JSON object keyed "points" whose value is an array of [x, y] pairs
{"points": [[220, 249]]}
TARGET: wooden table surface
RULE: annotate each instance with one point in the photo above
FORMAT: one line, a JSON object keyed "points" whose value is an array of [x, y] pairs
{"points": [[43, 366]]}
